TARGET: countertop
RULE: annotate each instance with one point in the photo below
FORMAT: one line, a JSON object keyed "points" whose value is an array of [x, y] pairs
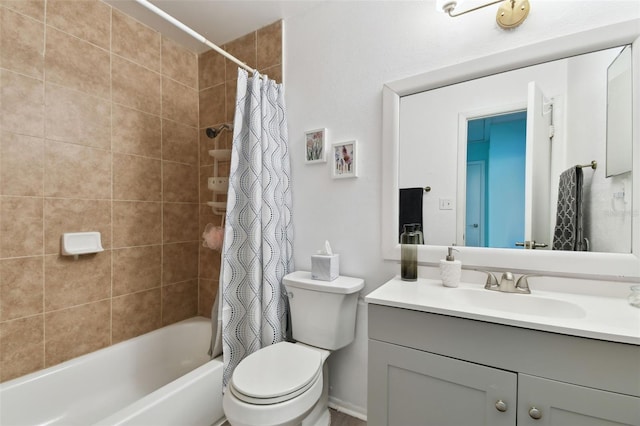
{"points": [[585, 315]]}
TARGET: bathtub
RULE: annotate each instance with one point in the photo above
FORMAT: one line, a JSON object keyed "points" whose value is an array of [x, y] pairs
{"points": [[164, 377]]}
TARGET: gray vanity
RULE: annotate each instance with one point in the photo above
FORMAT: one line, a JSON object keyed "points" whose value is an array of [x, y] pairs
{"points": [[569, 352], [436, 358]]}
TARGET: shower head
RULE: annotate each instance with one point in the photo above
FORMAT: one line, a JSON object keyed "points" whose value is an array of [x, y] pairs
{"points": [[213, 132]]}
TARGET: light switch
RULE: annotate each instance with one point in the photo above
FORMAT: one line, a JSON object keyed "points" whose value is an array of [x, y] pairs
{"points": [[446, 204]]}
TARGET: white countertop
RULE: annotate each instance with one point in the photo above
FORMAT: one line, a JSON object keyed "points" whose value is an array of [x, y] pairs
{"points": [[584, 315]]}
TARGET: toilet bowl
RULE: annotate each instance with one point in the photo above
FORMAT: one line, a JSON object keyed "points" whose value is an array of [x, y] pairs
{"points": [[281, 384], [287, 383]]}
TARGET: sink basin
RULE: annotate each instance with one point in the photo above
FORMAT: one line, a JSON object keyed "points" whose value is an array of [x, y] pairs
{"points": [[518, 303]]}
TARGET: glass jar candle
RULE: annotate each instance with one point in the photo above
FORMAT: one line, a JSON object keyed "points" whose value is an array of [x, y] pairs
{"points": [[409, 240]]}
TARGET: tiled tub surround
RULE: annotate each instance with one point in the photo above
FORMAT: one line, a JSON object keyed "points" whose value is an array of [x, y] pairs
{"points": [[100, 131], [85, 92]]}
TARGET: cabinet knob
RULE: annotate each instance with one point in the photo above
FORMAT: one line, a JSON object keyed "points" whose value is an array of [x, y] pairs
{"points": [[534, 413], [501, 406]]}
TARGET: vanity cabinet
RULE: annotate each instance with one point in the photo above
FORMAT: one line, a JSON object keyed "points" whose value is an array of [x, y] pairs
{"points": [[560, 404], [430, 369], [411, 387]]}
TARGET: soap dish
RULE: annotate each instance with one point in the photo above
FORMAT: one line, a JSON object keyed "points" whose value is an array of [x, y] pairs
{"points": [[76, 243]]}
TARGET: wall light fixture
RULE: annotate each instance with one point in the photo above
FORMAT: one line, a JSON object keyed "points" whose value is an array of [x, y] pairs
{"points": [[511, 13]]}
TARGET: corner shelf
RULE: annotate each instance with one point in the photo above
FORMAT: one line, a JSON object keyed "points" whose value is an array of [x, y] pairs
{"points": [[218, 207], [219, 185], [220, 154]]}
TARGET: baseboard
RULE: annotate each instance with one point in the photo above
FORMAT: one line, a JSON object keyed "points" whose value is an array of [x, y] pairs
{"points": [[350, 409]]}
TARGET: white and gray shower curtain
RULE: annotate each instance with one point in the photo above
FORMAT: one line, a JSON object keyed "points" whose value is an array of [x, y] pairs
{"points": [[258, 240]]}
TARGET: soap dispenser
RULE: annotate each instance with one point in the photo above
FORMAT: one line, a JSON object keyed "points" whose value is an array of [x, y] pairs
{"points": [[450, 269]]}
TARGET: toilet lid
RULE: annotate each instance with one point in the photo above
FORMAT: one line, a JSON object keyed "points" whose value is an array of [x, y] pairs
{"points": [[276, 373]]}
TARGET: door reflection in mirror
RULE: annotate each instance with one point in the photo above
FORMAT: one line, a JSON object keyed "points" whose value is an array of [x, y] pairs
{"points": [[496, 148]]}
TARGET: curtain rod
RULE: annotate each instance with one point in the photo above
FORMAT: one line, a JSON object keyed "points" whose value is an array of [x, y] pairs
{"points": [[194, 34]]}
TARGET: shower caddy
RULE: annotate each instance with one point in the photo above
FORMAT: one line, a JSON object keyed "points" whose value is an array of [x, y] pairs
{"points": [[218, 184]]}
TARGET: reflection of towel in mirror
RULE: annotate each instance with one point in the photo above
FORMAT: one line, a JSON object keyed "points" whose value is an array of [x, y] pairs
{"points": [[410, 207], [568, 230]]}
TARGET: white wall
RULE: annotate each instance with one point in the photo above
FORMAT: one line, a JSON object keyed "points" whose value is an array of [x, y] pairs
{"points": [[607, 219], [337, 57]]}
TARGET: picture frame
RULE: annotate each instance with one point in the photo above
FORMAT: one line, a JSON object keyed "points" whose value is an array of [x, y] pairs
{"points": [[345, 159], [315, 142]]}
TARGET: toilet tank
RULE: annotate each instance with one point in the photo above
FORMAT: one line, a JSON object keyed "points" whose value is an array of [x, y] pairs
{"points": [[323, 313]]}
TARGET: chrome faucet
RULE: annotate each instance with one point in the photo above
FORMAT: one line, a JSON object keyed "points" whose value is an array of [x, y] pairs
{"points": [[522, 285], [507, 284]]}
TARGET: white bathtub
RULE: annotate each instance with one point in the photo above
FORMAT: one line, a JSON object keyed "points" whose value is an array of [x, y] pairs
{"points": [[160, 378]]}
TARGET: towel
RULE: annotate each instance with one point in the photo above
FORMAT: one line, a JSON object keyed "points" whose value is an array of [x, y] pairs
{"points": [[410, 207], [568, 230]]}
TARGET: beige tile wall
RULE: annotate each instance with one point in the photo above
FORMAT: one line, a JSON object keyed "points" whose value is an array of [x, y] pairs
{"points": [[98, 132], [261, 49], [102, 129]]}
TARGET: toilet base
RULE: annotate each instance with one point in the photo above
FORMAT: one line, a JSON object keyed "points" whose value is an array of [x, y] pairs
{"points": [[323, 420], [320, 415]]}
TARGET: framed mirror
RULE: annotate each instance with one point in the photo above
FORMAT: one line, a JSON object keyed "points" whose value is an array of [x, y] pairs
{"points": [[619, 114], [516, 132], [435, 123]]}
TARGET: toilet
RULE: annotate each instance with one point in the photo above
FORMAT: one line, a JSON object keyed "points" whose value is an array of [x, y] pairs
{"points": [[287, 383]]}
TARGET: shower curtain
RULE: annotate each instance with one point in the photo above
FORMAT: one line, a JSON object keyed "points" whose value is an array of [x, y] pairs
{"points": [[257, 251]]}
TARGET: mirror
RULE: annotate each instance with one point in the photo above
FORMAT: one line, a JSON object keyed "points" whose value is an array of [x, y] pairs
{"points": [[502, 143], [619, 114], [609, 261]]}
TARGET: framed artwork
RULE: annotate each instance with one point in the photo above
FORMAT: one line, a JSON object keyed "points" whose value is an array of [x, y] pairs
{"points": [[345, 159], [315, 146]]}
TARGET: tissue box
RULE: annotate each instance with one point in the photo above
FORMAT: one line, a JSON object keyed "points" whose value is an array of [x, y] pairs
{"points": [[325, 267]]}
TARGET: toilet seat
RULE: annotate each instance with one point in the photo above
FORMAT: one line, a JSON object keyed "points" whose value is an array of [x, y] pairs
{"points": [[276, 373]]}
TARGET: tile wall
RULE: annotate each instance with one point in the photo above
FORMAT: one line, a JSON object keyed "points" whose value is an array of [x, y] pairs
{"points": [[100, 131]]}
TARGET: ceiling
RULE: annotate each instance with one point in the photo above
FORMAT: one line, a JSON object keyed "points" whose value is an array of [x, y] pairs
{"points": [[219, 21]]}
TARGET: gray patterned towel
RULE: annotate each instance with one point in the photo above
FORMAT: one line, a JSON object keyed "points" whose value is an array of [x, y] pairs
{"points": [[568, 230]]}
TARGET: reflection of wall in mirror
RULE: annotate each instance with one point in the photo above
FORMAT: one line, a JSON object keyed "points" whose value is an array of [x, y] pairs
{"points": [[607, 202], [498, 143], [506, 184], [429, 136]]}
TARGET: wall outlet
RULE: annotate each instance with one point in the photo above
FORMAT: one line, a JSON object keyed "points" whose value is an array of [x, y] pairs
{"points": [[446, 204]]}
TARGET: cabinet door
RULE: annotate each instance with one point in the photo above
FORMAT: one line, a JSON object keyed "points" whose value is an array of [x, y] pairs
{"points": [[410, 388], [564, 404]]}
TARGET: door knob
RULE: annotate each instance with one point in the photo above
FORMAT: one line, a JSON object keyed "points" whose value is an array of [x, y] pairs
{"points": [[534, 413], [530, 244], [501, 406]]}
